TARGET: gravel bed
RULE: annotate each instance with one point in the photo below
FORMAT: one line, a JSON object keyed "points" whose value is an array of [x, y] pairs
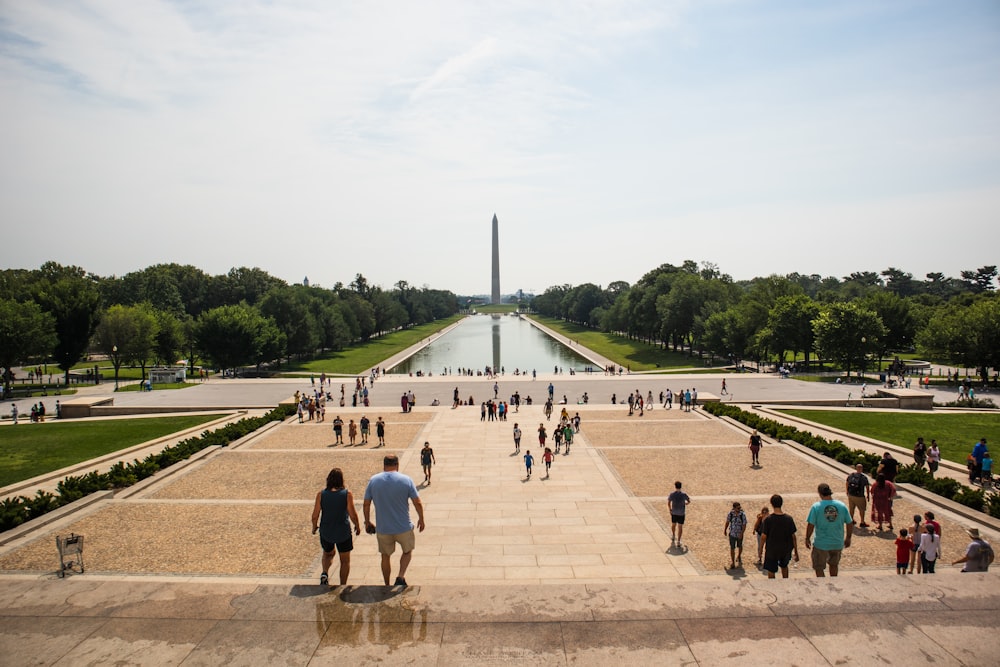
{"points": [[216, 539], [714, 471], [630, 433], [263, 475], [658, 414]]}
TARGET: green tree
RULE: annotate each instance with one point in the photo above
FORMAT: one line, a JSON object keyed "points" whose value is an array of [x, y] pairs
{"points": [[980, 280], [73, 299], [289, 307], [147, 327], [847, 333], [114, 335], [898, 319], [967, 336], [730, 333], [127, 334], [790, 327], [26, 334], [169, 338], [234, 336]]}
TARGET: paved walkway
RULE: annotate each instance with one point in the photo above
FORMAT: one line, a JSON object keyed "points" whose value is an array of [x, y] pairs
{"points": [[574, 569]]}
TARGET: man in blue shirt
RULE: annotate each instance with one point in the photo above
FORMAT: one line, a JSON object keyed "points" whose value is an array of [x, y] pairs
{"points": [[978, 452], [831, 521], [392, 491]]}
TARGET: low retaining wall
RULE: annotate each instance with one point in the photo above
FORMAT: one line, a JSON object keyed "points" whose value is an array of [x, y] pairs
{"points": [[123, 411], [79, 408]]}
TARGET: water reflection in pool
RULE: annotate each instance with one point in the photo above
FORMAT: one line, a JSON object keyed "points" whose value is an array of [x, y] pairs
{"points": [[500, 341]]}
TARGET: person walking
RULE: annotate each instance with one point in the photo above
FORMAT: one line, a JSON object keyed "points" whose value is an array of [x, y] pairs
{"points": [[763, 514], [920, 453], [352, 432], [904, 549], [778, 543], [365, 429], [678, 502], [380, 432], [978, 452], [756, 442], [392, 492], [833, 526], [517, 438], [858, 493], [933, 457], [333, 514], [529, 461], [427, 460], [541, 435], [883, 491], [734, 527], [978, 555], [14, 413], [915, 531], [929, 549], [888, 466], [547, 458]]}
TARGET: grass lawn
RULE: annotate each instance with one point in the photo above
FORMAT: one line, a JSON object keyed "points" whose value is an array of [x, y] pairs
{"points": [[33, 449], [158, 387], [633, 354], [358, 358], [955, 433]]}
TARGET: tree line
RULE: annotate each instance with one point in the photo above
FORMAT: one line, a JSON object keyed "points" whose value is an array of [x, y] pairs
{"points": [[863, 316], [171, 311]]}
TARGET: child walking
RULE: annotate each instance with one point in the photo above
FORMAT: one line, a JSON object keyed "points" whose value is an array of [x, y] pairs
{"points": [[547, 457], [904, 547], [916, 530], [529, 460], [764, 513]]}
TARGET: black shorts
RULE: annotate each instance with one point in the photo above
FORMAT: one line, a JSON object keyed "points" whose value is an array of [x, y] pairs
{"points": [[773, 563], [343, 547], [677, 518]]}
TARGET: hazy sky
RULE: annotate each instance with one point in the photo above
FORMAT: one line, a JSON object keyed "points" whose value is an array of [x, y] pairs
{"points": [[326, 139]]}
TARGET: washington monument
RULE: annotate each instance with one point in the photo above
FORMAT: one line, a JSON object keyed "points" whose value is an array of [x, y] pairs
{"points": [[495, 296]]}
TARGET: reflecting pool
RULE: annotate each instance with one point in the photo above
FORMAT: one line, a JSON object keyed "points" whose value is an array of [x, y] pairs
{"points": [[505, 341]]}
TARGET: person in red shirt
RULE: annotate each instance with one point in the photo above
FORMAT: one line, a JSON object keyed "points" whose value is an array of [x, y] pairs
{"points": [[904, 546]]}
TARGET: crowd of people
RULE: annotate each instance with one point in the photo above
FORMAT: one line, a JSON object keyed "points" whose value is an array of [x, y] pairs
{"points": [[37, 413], [830, 524]]}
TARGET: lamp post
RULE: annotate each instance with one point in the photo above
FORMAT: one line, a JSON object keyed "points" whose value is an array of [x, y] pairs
{"points": [[864, 356], [114, 360]]}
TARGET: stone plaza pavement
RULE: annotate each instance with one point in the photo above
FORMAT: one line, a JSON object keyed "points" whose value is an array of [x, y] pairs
{"points": [[215, 564]]}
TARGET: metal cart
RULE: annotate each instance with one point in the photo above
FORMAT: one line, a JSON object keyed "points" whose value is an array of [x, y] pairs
{"points": [[70, 553]]}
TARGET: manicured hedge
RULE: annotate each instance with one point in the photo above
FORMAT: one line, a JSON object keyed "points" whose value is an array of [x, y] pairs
{"points": [[16, 510], [943, 486]]}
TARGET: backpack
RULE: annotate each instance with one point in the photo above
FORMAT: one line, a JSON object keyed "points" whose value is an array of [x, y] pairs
{"points": [[855, 484], [986, 554]]}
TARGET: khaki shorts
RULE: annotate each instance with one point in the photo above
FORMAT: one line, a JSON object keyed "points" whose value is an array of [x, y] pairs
{"points": [[821, 558], [859, 502], [387, 543]]}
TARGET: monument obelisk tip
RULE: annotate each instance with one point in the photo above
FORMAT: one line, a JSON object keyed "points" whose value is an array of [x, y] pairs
{"points": [[495, 294]]}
